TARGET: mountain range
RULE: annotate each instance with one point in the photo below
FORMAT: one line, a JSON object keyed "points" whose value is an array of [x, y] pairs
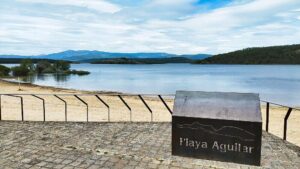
{"points": [[285, 54], [83, 55]]}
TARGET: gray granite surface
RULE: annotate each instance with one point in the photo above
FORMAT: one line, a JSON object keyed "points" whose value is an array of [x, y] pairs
{"points": [[218, 105], [115, 145]]}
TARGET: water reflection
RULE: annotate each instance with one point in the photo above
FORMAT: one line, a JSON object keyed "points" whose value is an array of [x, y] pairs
{"points": [[59, 78]]}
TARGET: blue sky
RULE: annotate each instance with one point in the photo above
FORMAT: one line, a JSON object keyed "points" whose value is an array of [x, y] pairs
{"points": [[32, 27]]}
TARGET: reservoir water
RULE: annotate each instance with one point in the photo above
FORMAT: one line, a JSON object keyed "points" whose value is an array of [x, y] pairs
{"points": [[275, 83]]}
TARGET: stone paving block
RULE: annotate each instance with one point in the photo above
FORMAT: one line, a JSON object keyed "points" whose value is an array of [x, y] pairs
{"points": [[114, 145], [41, 164], [66, 161]]}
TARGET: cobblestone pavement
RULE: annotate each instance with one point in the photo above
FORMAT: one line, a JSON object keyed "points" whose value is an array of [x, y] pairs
{"points": [[114, 145]]}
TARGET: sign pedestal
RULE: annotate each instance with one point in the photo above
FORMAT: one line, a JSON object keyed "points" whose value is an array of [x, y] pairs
{"points": [[217, 126]]}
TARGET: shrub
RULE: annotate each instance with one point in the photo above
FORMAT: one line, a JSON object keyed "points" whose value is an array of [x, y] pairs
{"points": [[41, 66], [57, 67], [27, 63], [48, 70], [4, 71], [20, 71], [61, 66], [77, 72]]}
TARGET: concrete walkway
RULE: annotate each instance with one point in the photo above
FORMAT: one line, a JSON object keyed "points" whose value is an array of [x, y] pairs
{"points": [[114, 145]]}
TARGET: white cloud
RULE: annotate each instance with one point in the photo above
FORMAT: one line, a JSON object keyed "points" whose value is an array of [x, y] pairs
{"points": [[153, 26], [99, 5], [247, 25]]}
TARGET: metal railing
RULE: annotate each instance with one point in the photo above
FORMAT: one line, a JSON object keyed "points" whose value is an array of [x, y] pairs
{"points": [[124, 102], [85, 103], [286, 117]]}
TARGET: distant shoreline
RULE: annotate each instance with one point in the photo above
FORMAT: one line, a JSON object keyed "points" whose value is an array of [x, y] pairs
{"points": [[109, 62], [58, 89]]}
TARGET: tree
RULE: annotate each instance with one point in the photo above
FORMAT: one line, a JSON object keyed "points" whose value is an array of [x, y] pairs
{"points": [[61, 66], [26, 67], [20, 71], [4, 71], [43, 65], [27, 63]]}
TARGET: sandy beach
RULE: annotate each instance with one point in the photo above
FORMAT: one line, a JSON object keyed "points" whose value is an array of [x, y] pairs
{"points": [[76, 111], [98, 112]]}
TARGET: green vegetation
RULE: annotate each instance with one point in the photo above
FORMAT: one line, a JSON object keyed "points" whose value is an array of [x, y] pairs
{"points": [[78, 72], [4, 71], [19, 71], [44, 66], [26, 67], [142, 60], [56, 67], [61, 66], [288, 54], [19, 60]]}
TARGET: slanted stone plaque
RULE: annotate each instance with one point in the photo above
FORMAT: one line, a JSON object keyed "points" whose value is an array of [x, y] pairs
{"points": [[217, 126]]}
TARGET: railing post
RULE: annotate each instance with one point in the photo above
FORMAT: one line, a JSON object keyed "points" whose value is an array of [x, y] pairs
{"points": [[124, 102], [267, 116], [146, 106], [22, 108], [87, 107], [0, 108], [285, 122], [66, 115], [106, 105], [44, 107], [165, 104]]}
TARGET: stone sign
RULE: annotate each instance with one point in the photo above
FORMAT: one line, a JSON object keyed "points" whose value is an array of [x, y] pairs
{"points": [[217, 126]]}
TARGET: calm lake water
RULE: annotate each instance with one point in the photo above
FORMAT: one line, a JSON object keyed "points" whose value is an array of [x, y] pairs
{"points": [[276, 83]]}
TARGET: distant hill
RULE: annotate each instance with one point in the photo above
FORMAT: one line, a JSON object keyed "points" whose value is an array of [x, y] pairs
{"points": [[83, 55], [288, 54], [196, 56], [141, 60], [19, 60], [14, 56], [80, 55]]}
